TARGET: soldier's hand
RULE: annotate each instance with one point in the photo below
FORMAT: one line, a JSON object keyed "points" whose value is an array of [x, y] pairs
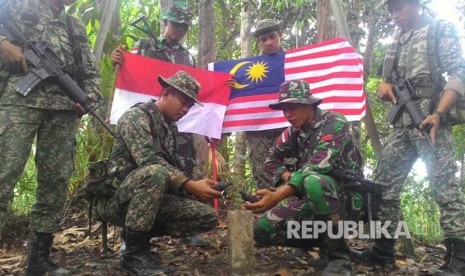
{"points": [[202, 189], [431, 122], [117, 55], [93, 97], [13, 57], [231, 82], [386, 93], [268, 199]]}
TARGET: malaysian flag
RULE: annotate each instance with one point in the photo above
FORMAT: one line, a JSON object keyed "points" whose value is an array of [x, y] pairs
{"points": [[333, 69]]}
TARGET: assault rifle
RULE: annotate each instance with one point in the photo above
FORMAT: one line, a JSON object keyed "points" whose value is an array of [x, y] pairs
{"points": [[45, 64], [357, 183], [142, 25], [404, 91]]}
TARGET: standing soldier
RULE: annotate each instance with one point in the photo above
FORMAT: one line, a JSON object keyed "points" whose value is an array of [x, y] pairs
{"points": [[150, 197], [268, 35], [316, 143], [409, 58], [47, 114], [168, 47]]}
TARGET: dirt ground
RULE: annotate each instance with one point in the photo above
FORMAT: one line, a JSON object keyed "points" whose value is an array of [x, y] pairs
{"points": [[83, 255]]}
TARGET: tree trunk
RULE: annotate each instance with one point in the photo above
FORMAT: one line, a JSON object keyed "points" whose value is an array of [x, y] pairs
{"points": [[326, 27], [164, 5], [331, 22], [239, 158], [109, 12], [206, 54]]}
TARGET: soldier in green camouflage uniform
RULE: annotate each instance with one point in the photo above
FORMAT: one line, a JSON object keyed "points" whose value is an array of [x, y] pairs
{"points": [[268, 35], [167, 47], [46, 114], [408, 58], [150, 198], [304, 154]]}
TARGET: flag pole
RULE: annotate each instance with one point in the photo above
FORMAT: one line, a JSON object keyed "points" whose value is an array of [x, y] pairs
{"points": [[215, 172], [105, 141]]}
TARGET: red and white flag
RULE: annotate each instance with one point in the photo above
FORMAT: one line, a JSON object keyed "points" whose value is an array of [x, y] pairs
{"points": [[137, 81]]}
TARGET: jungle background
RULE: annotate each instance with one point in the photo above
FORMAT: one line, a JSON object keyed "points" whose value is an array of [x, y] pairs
{"points": [[221, 30]]}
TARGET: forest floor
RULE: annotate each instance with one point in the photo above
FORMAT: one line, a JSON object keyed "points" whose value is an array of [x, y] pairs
{"points": [[83, 256]]}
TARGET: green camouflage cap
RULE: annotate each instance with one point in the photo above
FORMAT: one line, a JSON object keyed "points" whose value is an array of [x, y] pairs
{"points": [[265, 26], [178, 13], [183, 82], [295, 91]]}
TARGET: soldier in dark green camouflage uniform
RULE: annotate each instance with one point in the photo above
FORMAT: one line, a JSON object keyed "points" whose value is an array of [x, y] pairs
{"points": [[304, 154], [168, 48], [47, 115], [408, 58], [268, 34], [151, 188]]}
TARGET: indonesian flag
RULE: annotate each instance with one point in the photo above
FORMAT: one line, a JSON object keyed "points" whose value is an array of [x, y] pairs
{"points": [[333, 69], [137, 81]]}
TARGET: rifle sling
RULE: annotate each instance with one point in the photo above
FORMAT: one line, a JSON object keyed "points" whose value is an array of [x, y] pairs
{"points": [[76, 49]]}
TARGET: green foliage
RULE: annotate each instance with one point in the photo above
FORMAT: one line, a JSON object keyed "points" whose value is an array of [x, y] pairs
{"points": [[24, 192], [419, 209]]}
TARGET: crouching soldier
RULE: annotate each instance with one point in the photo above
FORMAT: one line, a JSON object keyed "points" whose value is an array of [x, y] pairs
{"points": [[301, 160], [149, 199]]}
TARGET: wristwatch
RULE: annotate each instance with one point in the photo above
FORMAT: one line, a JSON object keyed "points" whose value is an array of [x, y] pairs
{"points": [[442, 115]]}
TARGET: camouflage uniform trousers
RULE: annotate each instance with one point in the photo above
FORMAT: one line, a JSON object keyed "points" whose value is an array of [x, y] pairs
{"points": [[258, 144], [403, 148], [142, 203], [54, 158], [319, 200]]}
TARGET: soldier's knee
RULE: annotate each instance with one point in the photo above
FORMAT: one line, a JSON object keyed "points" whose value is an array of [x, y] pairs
{"points": [[314, 188], [316, 194]]}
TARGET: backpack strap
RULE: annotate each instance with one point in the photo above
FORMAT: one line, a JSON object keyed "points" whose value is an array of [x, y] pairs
{"points": [[148, 108], [76, 40], [433, 62]]}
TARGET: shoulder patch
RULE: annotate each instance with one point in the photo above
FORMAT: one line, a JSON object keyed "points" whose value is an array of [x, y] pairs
{"points": [[284, 137], [326, 138]]}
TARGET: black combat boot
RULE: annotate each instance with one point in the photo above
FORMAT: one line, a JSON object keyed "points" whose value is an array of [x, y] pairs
{"points": [[335, 250], [137, 257], [381, 254], [454, 259], [338, 254], [38, 262]]}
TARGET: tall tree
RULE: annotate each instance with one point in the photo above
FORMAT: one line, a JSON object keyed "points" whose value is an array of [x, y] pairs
{"points": [[246, 49], [206, 54]]}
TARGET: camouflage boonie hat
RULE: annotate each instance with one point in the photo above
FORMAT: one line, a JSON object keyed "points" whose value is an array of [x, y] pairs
{"points": [[265, 26], [178, 13], [296, 92], [184, 83]]}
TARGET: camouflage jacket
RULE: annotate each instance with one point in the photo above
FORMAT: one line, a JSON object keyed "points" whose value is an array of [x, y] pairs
{"points": [[36, 21], [170, 53], [324, 145], [138, 145], [410, 49]]}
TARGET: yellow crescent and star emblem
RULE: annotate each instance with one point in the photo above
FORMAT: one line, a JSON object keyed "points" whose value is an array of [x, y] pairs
{"points": [[255, 72]]}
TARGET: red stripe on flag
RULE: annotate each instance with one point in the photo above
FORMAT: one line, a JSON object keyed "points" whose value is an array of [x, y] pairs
{"points": [[249, 122]]}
